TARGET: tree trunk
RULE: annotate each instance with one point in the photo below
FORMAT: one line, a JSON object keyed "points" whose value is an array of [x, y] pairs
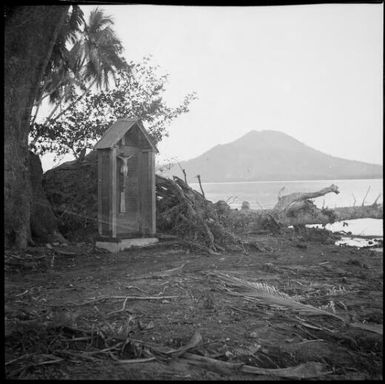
{"points": [[30, 34], [44, 227]]}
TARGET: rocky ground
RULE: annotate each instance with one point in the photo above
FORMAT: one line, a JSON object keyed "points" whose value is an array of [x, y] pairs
{"points": [[166, 312]]}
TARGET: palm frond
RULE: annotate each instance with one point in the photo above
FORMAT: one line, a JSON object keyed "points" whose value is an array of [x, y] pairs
{"points": [[73, 23], [98, 20], [101, 50], [269, 295]]}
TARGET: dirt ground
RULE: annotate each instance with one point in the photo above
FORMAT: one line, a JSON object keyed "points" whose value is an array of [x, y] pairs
{"points": [[67, 315]]}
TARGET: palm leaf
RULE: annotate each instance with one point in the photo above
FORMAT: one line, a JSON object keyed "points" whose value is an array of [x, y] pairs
{"points": [[270, 295]]}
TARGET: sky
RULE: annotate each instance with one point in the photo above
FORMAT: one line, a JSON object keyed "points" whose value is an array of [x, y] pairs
{"points": [[314, 72]]}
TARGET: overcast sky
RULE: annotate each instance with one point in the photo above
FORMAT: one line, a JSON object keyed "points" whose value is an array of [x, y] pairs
{"points": [[314, 72]]}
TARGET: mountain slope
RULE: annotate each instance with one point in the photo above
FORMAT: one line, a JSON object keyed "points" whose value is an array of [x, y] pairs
{"points": [[271, 155]]}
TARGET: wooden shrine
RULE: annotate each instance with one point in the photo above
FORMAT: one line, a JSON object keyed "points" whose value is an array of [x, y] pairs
{"points": [[126, 184]]}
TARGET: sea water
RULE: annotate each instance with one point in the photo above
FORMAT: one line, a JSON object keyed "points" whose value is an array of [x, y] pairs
{"points": [[264, 195]]}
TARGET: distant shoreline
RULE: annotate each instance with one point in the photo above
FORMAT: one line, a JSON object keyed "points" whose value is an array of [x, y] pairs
{"points": [[284, 181]]}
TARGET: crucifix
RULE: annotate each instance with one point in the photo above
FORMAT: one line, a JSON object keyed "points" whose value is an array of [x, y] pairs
{"points": [[124, 171]]}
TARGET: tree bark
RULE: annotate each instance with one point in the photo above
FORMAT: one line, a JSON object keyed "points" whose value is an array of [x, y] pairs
{"points": [[30, 34], [44, 227]]}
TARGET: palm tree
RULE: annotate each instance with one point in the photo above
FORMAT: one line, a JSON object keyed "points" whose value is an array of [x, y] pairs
{"points": [[102, 49], [97, 53], [62, 70]]}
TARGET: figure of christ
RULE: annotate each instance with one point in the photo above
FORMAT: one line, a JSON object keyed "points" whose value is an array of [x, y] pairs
{"points": [[123, 180]]}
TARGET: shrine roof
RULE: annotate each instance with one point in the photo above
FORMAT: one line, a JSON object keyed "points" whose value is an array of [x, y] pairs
{"points": [[117, 130]]}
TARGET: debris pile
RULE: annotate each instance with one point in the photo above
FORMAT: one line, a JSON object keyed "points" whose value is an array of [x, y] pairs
{"points": [[186, 213]]}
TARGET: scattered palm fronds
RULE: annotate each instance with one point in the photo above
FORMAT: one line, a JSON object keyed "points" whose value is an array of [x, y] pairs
{"points": [[268, 295]]}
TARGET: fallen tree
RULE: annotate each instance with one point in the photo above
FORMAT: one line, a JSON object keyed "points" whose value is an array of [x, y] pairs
{"points": [[298, 209], [185, 213]]}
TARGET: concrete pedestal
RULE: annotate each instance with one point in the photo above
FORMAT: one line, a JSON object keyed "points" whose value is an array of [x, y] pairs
{"points": [[122, 244]]}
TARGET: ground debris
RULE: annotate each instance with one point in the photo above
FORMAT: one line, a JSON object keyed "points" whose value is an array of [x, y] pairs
{"points": [[49, 336], [32, 259], [302, 371]]}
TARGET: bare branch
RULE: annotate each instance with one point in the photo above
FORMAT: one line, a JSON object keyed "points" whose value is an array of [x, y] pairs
{"points": [[375, 201], [363, 201], [200, 184]]}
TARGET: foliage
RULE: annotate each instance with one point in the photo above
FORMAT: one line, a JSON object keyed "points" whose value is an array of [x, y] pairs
{"points": [[85, 54], [62, 72], [100, 50], [139, 93]]}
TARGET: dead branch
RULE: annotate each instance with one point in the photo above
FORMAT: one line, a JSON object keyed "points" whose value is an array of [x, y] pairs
{"points": [[280, 192], [158, 275], [119, 310], [375, 201], [200, 185], [123, 298], [363, 200], [184, 173], [137, 361]]}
